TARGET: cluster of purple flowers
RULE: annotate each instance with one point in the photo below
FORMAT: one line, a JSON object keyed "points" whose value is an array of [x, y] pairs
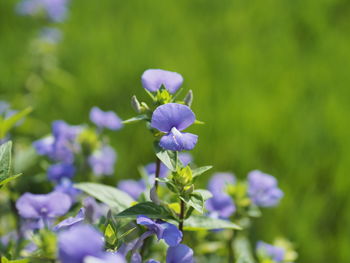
{"points": [[265, 250], [262, 191], [55, 10], [64, 145]]}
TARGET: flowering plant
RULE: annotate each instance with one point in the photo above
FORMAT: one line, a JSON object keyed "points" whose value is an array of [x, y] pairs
{"points": [[162, 217]]}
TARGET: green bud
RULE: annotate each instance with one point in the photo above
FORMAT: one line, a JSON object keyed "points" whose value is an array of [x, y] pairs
{"points": [[189, 98], [183, 177], [163, 96], [135, 104]]}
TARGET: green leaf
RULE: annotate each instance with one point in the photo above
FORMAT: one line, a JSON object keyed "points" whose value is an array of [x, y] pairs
{"points": [[5, 260], [200, 222], [7, 124], [243, 250], [197, 202], [205, 193], [135, 119], [6, 164], [198, 171], [109, 195], [169, 158], [199, 122], [147, 209]]}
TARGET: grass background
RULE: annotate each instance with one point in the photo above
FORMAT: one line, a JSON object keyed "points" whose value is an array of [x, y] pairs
{"points": [[270, 78]]}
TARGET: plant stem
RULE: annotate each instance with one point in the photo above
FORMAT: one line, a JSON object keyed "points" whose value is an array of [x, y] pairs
{"points": [[230, 244], [157, 173], [182, 215]]}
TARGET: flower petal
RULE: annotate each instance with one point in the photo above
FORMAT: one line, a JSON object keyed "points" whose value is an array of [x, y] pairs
{"points": [[180, 253], [178, 141], [153, 79], [105, 119], [219, 181], [170, 115], [171, 234]]}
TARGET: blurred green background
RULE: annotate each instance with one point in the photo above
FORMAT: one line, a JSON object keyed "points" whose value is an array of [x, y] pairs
{"points": [[270, 78]]}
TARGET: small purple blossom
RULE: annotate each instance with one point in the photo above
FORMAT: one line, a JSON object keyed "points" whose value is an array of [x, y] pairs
{"points": [[277, 254], [180, 253], [58, 171], [93, 209], [263, 189], [221, 204], [219, 181], [172, 118], [78, 242], [66, 186], [107, 257], [102, 161], [169, 232], [43, 206], [56, 10], [132, 187], [105, 119], [153, 79], [71, 221]]}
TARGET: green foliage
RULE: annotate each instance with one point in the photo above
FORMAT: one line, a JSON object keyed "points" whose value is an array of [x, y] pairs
{"points": [[200, 222], [6, 174], [200, 170], [243, 250], [5, 260], [169, 158], [149, 209], [109, 195], [7, 124]]}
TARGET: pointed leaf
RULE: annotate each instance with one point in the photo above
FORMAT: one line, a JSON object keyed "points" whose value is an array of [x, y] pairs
{"points": [[109, 195], [147, 209], [135, 119], [198, 171]]}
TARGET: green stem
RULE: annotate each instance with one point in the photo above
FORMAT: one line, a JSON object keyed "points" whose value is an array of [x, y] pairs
{"points": [[182, 215], [230, 244]]}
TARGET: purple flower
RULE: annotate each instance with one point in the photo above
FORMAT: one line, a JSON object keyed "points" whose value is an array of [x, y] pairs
{"points": [[60, 170], [153, 79], [132, 187], [105, 119], [221, 206], [62, 145], [152, 261], [185, 158], [107, 257], [66, 186], [78, 242], [171, 119], [219, 181], [56, 10], [102, 161], [263, 189], [169, 232], [275, 253], [45, 206], [71, 221], [180, 253]]}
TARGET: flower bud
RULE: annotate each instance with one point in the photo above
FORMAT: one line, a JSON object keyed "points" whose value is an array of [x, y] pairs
{"points": [[136, 104], [189, 98]]}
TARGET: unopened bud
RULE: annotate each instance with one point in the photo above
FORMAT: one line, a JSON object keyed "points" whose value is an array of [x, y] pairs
{"points": [[189, 98], [136, 104]]}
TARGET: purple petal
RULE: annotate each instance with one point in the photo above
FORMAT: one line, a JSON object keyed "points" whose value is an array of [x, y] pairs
{"points": [[132, 187], [219, 181], [170, 115], [274, 252], [185, 158], [136, 258], [180, 253], [221, 205], [171, 234], [79, 242], [71, 221], [152, 261], [44, 146], [178, 141], [105, 119], [102, 161], [153, 79], [60, 170], [49, 205]]}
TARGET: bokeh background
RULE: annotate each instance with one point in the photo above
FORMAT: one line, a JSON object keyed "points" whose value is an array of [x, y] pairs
{"points": [[270, 78]]}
